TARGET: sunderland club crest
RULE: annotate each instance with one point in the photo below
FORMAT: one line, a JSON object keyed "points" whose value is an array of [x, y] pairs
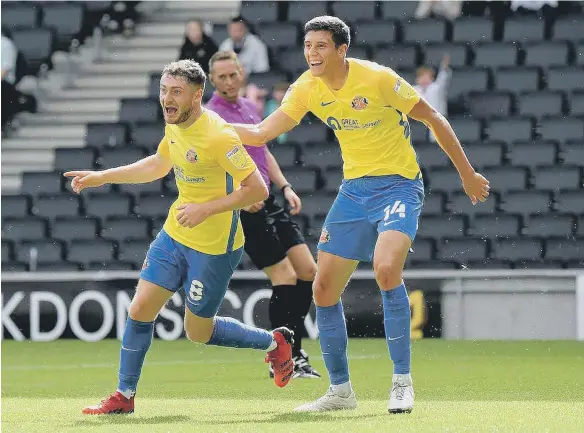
{"points": [[359, 102], [192, 156]]}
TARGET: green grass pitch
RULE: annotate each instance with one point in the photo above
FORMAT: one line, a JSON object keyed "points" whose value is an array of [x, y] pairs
{"points": [[460, 387]]}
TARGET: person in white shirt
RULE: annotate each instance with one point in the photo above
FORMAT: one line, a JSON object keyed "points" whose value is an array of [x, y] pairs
{"points": [[435, 91], [251, 51]]}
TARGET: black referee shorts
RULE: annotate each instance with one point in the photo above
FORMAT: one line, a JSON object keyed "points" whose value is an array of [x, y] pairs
{"points": [[269, 234]]}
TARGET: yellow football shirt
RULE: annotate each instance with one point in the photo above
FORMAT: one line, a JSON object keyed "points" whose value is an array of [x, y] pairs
{"points": [[209, 162], [368, 115]]}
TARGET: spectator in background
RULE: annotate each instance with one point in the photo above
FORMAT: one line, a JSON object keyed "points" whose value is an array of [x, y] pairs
{"points": [[435, 91], [449, 9], [10, 103], [197, 46], [251, 51], [275, 101]]}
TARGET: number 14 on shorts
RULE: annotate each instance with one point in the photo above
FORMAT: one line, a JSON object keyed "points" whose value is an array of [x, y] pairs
{"points": [[398, 208]]}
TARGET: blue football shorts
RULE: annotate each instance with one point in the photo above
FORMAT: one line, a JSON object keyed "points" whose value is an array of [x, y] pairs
{"points": [[367, 206], [203, 277]]}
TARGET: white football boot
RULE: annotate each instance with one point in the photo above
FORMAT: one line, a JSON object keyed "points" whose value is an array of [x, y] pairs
{"points": [[330, 401], [401, 396]]}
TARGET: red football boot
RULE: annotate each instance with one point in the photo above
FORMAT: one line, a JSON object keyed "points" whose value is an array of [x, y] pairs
{"points": [[114, 404], [281, 357]]}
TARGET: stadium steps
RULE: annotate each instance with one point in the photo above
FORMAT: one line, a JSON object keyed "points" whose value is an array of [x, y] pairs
{"points": [[69, 118], [178, 11]]}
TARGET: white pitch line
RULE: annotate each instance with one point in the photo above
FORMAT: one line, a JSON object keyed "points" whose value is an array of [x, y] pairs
{"points": [[155, 363]]}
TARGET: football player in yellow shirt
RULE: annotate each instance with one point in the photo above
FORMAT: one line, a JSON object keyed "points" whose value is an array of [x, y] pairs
{"points": [[375, 215], [201, 242]]}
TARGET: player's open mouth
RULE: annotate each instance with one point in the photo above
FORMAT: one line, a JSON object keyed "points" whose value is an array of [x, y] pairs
{"points": [[315, 64], [170, 110]]}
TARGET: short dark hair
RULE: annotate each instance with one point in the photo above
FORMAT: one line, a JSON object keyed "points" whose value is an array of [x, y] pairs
{"points": [[187, 69], [339, 30]]}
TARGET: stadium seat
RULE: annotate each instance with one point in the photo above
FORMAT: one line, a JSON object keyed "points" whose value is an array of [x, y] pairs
{"points": [[462, 250], [354, 10], [516, 249], [147, 134], [74, 158], [20, 15], [14, 267], [36, 45], [7, 251], [375, 32], [518, 79], [133, 252], [154, 85], [531, 154], [360, 52], [303, 179], [537, 264], [134, 110], [259, 12], [570, 201], [104, 206], [433, 203], [219, 33], [51, 206], [292, 60], [317, 204], [473, 30], [510, 129], [311, 133], [153, 205], [459, 203], [567, 28], [573, 152], [287, 155], [302, 11], [333, 178], [424, 249], [29, 228], [39, 182], [414, 264], [577, 104], [125, 227], [486, 153], [444, 179], [547, 225], [467, 80], [545, 54], [106, 134], [57, 267], [566, 78], [564, 249], [431, 155], [467, 128], [115, 157], [85, 252], [110, 265], [486, 104], [489, 264], [401, 56], [434, 54], [136, 189], [77, 228], [323, 156], [39, 251], [398, 10], [580, 226], [424, 31], [15, 206], [277, 35], [562, 129], [445, 226], [496, 55], [526, 202], [486, 225], [579, 55], [267, 80], [67, 21], [558, 177], [539, 104], [418, 131], [524, 30], [506, 178]]}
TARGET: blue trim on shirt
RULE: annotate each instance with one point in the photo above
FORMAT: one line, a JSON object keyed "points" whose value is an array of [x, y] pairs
{"points": [[235, 215]]}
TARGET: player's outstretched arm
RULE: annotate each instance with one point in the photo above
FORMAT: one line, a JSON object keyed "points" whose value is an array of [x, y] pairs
{"points": [[276, 176], [145, 170], [474, 184], [271, 127]]}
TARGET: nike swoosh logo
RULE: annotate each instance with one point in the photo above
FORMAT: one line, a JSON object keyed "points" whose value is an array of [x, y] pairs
{"points": [[324, 104], [396, 338], [390, 222]]}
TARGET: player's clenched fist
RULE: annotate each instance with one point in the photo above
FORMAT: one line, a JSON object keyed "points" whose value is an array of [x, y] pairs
{"points": [[192, 214], [85, 179], [476, 186]]}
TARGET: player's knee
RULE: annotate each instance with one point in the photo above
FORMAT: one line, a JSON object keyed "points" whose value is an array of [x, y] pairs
{"points": [[198, 335], [306, 273], [388, 275], [323, 294], [140, 311], [281, 273]]}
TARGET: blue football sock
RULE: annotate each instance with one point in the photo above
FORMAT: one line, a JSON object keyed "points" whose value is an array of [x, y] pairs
{"points": [[135, 343], [229, 332], [333, 341], [396, 312]]}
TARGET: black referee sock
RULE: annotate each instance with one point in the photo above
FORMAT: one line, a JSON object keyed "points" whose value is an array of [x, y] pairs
{"points": [[281, 307], [302, 300]]}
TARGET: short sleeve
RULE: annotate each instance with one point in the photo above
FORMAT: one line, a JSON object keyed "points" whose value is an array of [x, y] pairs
{"points": [[397, 92], [163, 148], [231, 155], [295, 102]]}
